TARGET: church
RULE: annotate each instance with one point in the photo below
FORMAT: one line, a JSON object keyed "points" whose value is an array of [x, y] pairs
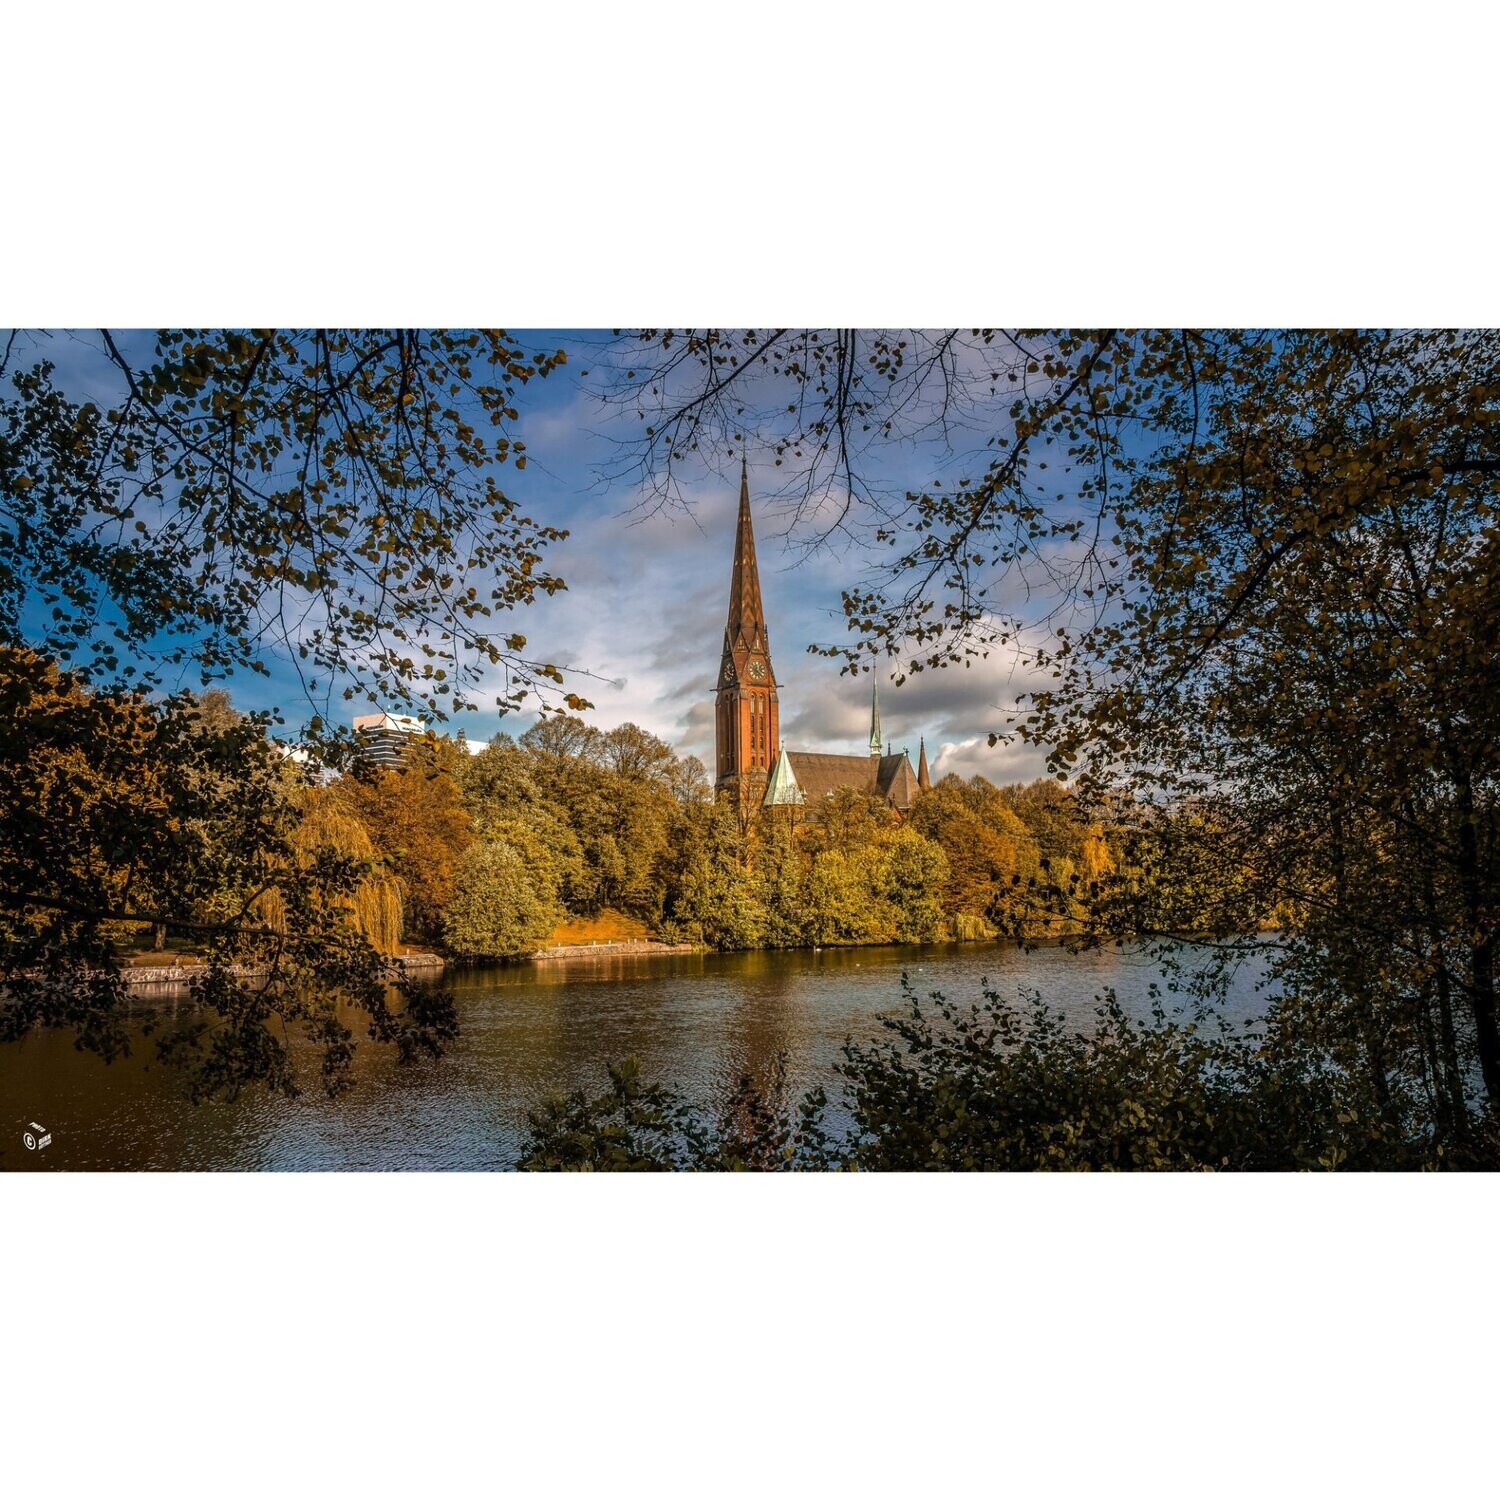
{"points": [[751, 762]]}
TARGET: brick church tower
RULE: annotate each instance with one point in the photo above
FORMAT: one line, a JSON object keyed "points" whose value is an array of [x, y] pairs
{"points": [[746, 718]]}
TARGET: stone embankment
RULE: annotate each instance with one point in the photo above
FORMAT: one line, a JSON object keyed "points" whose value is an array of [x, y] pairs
{"points": [[153, 974], [631, 947]]}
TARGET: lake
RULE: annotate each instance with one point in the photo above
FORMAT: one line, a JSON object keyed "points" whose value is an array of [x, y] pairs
{"points": [[697, 1022]]}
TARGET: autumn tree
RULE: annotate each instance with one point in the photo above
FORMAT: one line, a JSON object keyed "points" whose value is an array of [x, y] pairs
{"points": [[992, 857], [325, 826], [416, 818], [125, 812]]}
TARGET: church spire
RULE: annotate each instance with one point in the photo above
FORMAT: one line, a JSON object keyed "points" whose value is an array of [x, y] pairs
{"points": [[874, 715], [747, 616], [746, 716], [924, 779]]}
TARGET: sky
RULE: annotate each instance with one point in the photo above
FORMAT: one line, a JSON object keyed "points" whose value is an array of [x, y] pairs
{"points": [[639, 629], [648, 595]]}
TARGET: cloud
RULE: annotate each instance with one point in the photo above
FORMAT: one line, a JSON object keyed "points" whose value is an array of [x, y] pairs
{"points": [[999, 763], [644, 612]]}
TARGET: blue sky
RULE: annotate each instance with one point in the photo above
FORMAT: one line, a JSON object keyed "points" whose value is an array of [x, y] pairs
{"points": [[648, 593], [643, 614]]}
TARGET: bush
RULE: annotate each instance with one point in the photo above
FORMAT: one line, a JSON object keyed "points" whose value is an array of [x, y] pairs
{"points": [[1006, 1086], [640, 1127]]}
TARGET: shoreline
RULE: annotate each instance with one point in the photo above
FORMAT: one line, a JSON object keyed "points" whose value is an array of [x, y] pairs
{"points": [[608, 948], [146, 976]]}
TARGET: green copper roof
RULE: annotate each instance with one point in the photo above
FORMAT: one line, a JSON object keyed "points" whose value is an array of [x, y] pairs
{"points": [[782, 789]]}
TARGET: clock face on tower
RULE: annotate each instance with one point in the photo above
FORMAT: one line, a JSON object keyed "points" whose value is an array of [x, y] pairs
{"points": [[757, 669]]}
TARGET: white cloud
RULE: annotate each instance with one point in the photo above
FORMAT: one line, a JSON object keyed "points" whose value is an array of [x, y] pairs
{"points": [[1000, 763]]}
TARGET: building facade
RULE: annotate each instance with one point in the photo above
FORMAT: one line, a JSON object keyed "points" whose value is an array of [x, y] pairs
{"points": [[383, 737], [751, 763]]}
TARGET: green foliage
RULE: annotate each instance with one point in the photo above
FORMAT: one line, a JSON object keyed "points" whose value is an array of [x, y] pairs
{"points": [[841, 899], [911, 875], [1011, 1086], [1002, 1086], [617, 794], [715, 896], [503, 905]]}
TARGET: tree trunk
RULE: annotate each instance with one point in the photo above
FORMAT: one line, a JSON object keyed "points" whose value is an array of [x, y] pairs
{"points": [[1481, 942], [1451, 1076]]}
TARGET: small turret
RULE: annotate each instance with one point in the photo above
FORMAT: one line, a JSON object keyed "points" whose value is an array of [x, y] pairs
{"points": [[924, 780], [782, 789]]}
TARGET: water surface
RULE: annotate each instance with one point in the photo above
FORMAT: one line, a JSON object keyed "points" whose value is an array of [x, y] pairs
{"points": [[697, 1022]]}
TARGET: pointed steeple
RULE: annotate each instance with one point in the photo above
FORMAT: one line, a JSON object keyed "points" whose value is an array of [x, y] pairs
{"points": [[782, 789], [746, 717], [874, 715], [747, 616], [924, 780]]}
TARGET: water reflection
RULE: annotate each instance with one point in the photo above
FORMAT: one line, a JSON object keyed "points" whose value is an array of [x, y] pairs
{"points": [[697, 1022]]}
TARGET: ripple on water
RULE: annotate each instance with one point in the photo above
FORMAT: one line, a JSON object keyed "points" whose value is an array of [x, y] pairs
{"points": [[696, 1022]]}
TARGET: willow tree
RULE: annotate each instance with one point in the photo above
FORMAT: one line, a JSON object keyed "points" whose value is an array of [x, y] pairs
{"points": [[326, 827]]}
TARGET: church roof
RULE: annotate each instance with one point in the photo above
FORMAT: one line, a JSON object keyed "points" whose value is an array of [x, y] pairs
{"points": [[888, 776], [821, 775], [782, 789]]}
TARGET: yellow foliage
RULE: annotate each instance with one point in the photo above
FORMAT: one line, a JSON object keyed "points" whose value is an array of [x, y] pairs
{"points": [[375, 906]]}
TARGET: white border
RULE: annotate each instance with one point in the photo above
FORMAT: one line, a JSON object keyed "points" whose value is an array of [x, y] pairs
{"points": [[589, 164]]}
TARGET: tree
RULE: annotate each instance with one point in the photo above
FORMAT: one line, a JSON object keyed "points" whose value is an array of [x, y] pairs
{"points": [[503, 905], [122, 813], [335, 492], [780, 868], [618, 793], [504, 801], [714, 897], [992, 858], [325, 827], [843, 904], [913, 872], [419, 825], [848, 820]]}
